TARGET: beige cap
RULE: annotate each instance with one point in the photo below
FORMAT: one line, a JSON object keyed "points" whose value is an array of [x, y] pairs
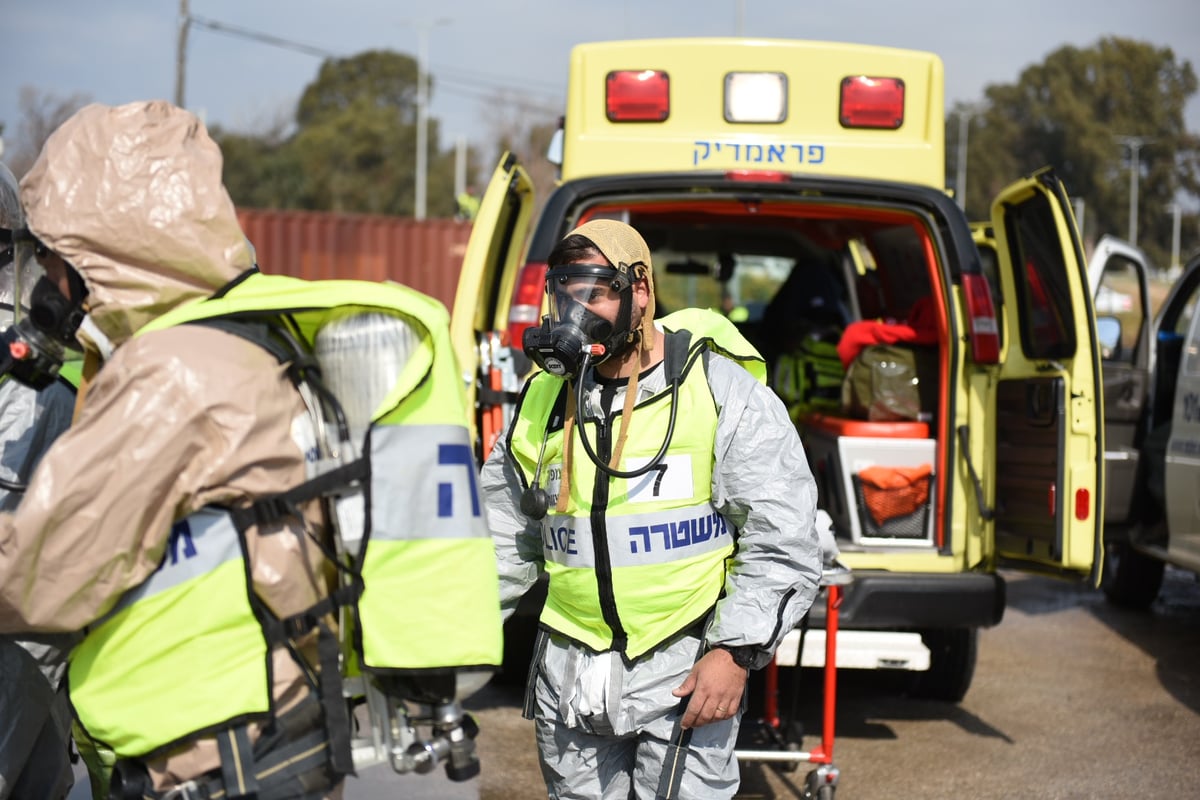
{"points": [[620, 243], [625, 248]]}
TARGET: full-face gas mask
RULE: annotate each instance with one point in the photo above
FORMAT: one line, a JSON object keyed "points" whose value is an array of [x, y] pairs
{"points": [[44, 321], [572, 331]]}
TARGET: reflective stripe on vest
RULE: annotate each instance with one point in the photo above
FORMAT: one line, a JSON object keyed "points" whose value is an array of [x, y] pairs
{"points": [[665, 544], [181, 653], [429, 561]]}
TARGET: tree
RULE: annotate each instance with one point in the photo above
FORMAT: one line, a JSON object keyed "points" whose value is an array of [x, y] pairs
{"points": [[41, 114], [352, 149], [379, 78], [1069, 113], [525, 129]]}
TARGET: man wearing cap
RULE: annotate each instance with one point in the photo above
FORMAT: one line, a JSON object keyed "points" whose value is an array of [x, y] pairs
{"points": [[662, 488]]}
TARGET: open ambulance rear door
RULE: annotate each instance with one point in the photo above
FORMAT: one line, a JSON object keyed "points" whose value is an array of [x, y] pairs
{"points": [[1047, 462], [481, 302]]}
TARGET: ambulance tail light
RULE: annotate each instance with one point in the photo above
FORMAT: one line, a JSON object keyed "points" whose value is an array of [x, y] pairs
{"points": [[1083, 504], [871, 102], [526, 309], [638, 95], [765, 176], [985, 332]]}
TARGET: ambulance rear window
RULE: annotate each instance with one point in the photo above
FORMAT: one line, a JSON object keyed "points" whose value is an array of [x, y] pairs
{"points": [[1047, 315]]}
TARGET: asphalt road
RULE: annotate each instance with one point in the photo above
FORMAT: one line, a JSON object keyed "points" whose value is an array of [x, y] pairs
{"points": [[1072, 698]]}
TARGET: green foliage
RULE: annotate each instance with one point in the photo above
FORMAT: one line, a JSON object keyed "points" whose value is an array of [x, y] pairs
{"points": [[376, 78], [353, 147], [1069, 112]]}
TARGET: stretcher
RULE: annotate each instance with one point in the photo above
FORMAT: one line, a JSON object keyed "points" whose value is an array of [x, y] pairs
{"points": [[772, 733]]}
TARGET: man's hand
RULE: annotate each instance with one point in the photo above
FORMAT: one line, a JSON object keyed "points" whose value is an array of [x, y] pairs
{"points": [[716, 685]]}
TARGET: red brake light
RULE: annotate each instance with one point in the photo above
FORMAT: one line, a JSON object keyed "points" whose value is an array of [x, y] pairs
{"points": [[769, 176], [872, 102], [526, 309], [641, 95], [985, 332], [1083, 504]]}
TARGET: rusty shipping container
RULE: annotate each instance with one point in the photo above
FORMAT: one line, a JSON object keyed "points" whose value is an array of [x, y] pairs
{"points": [[426, 255]]}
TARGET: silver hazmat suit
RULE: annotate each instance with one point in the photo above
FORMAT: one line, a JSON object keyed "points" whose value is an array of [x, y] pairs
{"points": [[602, 725]]}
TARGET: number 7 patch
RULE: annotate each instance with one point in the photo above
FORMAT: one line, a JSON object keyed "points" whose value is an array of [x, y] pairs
{"points": [[670, 479]]}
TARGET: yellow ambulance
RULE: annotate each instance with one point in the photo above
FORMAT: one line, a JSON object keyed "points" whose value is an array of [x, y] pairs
{"points": [[801, 184]]}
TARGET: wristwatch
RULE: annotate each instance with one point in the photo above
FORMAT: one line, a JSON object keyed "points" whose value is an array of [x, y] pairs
{"points": [[744, 656]]}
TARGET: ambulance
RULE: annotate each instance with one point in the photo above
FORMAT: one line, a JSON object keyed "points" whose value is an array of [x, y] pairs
{"points": [[799, 185]]}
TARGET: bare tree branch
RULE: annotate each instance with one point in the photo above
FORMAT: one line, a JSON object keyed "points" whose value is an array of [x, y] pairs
{"points": [[41, 113]]}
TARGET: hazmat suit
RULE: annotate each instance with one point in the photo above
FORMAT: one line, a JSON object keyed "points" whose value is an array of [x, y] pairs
{"points": [[131, 198], [36, 730], [649, 577]]}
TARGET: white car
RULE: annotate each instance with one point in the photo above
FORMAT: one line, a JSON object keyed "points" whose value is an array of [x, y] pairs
{"points": [[1152, 381], [1110, 301]]}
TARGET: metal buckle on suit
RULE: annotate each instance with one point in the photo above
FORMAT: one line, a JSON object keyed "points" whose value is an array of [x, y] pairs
{"points": [[189, 790]]}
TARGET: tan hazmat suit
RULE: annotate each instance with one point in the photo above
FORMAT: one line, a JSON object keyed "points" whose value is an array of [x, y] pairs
{"points": [[132, 198]]}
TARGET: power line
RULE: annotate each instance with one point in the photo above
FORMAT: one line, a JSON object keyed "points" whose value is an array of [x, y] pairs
{"points": [[443, 74], [547, 105], [526, 84], [265, 38], [463, 83]]}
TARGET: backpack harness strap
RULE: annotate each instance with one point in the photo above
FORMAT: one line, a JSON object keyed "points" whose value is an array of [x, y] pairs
{"points": [[302, 367], [289, 761]]}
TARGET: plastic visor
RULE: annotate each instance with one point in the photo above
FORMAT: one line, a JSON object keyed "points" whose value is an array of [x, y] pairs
{"points": [[37, 354], [19, 271], [573, 286]]}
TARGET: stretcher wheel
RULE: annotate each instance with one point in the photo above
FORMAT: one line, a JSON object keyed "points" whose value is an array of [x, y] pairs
{"points": [[817, 788]]}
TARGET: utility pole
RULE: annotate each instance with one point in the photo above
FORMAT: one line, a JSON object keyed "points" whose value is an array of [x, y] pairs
{"points": [[460, 165], [960, 158], [1175, 210], [185, 21], [423, 113], [1134, 143]]}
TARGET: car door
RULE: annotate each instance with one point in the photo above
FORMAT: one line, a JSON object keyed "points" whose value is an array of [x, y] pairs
{"points": [[1119, 283], [485, 286], [1047, 423], [1182, 474]]}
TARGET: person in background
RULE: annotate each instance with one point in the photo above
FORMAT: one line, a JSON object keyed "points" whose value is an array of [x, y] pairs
{"points": [[664, 491], [35, 717], [468, 204], [120, 531]]}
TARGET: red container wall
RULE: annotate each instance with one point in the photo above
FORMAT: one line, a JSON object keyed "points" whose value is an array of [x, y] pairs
{"points": [[425, 255]]}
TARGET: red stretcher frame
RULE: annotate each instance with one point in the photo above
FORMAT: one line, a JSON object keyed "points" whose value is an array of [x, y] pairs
{"points": [[822, 781]]}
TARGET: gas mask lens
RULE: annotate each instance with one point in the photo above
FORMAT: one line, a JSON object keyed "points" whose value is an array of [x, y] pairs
{"points": [[34, 345], [573, 329], [572, 301]]}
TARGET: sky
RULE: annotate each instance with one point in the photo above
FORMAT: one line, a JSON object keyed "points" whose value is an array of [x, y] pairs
{"points": [[117, 51]]}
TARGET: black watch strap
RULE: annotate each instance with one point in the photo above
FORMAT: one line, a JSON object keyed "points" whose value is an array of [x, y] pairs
{"points": [[744, 656]]}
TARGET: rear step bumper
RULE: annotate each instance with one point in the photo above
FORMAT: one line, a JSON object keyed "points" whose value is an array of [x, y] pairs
{"points": [[898, 600]]}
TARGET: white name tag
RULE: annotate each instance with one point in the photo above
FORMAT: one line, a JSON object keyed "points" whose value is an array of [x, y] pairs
{"points": [[670, 479], [553, 481]]}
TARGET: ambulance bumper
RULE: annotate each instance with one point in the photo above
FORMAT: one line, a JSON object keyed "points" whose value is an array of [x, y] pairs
{"points": [[897, 600]]}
